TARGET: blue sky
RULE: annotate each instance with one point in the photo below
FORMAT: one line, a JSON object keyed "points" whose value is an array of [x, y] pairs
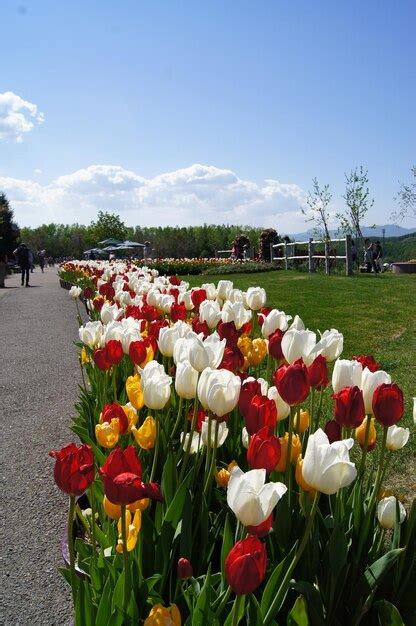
{"points": [[263, 96]]}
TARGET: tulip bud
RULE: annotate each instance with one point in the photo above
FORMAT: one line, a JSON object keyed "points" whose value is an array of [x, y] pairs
{"points": [[115, 411], [301, 421], [134, 391], [114, 351], [245, 565], [74, 468], [397, 437], [186, 380], [160, 615], [292, 382], [333, 431], [349, 407], [263, 450], [137, 352], [261, 412], [387, 512], [184, 569], [275, 344], [367, 361], [100, 359], [145, 436], [372, 434], [318, 373], [299, 476], [388, 404], [108, 433]]}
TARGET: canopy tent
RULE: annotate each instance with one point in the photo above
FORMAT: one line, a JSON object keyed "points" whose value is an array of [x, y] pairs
{"points": [[110, 242], [133, 244]]}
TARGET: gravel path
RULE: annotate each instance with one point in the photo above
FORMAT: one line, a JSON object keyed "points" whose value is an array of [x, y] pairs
{"points": [[39, 376]]}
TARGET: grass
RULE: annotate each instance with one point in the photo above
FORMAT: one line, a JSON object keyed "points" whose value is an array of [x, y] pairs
{"points": [[376, 314]]}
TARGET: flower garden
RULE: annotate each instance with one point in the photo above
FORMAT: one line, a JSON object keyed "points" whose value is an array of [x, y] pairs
{"points": [[208, 485]]}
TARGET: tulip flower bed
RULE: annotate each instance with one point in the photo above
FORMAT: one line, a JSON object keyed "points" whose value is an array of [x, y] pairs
{"points": [[208, 488]]}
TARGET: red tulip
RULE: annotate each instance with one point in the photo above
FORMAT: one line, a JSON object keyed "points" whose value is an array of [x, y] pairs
{"points": [[249, 389], [198, 296], [233, 358], [101, 360], [275, 344], [262, 314], [122, 478], [367, 361], [150, 313], [174, 280], [292, 382], [74, 468], [200, 327], [114, 351], [388, 404], [263, 529], [263, 450], [245, 565], [228, 331], [154, 330], [184, 569], [115, 411], [200, 418], [98, 303], [107, 290], [333, 431], [178, 312], [261, 412], [318, 373], [137, 351], [349, 410], [88, 293]]}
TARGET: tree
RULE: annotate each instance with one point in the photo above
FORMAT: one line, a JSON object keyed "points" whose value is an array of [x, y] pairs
{"points": [[358, 201], [318, 200], [107, 226], [407, 200], [9, 230]]}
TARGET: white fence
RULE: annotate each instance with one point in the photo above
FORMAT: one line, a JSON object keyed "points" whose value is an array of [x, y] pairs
{"points": [[330, 255]]}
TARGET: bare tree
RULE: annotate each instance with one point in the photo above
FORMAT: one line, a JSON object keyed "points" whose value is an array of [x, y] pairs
{"points": [[317, 212], [407, 200], [358, 201]]}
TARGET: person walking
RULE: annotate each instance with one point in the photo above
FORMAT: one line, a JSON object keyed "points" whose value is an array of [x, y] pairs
{"points": [[24, 258], [354, 256], [378, 256], [42, 259]]}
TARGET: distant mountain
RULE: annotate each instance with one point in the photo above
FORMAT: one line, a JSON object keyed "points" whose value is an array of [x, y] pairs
{"points": [[391, 230]]}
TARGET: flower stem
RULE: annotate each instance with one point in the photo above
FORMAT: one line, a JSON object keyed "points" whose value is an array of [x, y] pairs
{"points": [[92, 504], [189, 444], [236, 610], [156, 449], [366, 436], [380, 469], [114, 384], [282, 589], [125, 559], [71, 547], [178, 418]]}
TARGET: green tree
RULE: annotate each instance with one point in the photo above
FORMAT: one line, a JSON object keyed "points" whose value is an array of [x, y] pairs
{"points": [[107, 226], [9, 230], [357, 200]]}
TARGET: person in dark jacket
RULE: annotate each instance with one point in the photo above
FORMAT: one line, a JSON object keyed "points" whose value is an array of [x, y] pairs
{"points": [[23, 257]]}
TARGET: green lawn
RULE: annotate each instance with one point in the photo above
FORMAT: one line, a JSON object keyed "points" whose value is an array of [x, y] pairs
{"points": [[376, 314]]}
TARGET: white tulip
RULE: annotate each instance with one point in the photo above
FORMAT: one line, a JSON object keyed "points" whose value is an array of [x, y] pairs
{"points": [[218, 434], [273, 321], [181, 350], [218, 390], [256, 298], [245, 437], [153, 297], [397, 437], [75, 292], [214, 348], [236, 295], [210, 312], [91, 334], [330, 344], [223, 288], [156, 392], [196, 442], [197, 355], [186, 379], [297, 344], [283, 409], [346, 374], [110, 312], [297, 323], [250, 499], [210, 290], [414, 411], [168, 336], [165, 302], [185, 298], [183, 329], [369, 382], [235, 312], [387, 512], [327, 466]]}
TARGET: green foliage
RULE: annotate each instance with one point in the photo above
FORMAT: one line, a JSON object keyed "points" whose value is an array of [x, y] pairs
{"points": [[107, 226], [9, 231]]}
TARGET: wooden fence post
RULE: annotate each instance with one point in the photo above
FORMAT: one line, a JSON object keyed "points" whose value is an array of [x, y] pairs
{"points": [[286, 259], [310, 255], [348, 256], [326, 258]]}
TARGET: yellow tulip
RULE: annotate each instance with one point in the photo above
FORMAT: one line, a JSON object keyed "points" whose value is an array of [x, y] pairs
{"points": [[295, 452], [299, 477], [131, 415], [145, 436], [134, 391], [372, 434], [258, 351], [132, 531], [112, 510], [108, 433], [139, 504], [302, 420], [162, 616], [222, 476], [150, 355], [244, 344], [84, 357]]}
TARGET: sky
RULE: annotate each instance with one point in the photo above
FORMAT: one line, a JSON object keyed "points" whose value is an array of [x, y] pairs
{"points": [[185, 112]]}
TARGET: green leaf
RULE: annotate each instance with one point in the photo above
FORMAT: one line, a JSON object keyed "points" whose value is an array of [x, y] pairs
{"points": [[375, 573], [169, 478], [227, 544], [104, 608], [186, 529], [298, 615], [314, 601], [118, 593], [84, 608], [203, 614], [241, 610], [275, 581], [254, 614], [388, 614]]}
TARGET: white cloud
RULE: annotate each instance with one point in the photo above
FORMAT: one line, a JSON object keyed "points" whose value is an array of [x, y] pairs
{"points": [[17, 116], [37, 170], [193, 195]]}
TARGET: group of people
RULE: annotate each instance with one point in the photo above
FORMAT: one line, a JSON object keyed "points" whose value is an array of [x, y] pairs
{"points": [[26, 261], [373, 256]]}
